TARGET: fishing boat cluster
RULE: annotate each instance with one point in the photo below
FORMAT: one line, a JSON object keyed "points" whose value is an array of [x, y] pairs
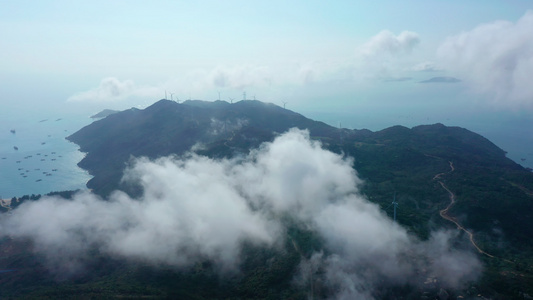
{"points": [[42, 157]]}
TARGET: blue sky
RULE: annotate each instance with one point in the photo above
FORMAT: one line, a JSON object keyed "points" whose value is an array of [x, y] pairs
{"points": [[334, 56]]}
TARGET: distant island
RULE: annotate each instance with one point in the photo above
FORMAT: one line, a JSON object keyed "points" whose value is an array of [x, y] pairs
{"points": [[104, 113], [441, 79]]}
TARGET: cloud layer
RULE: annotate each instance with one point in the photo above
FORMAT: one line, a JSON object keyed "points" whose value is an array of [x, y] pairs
{"points": [[380, 57], [196, 208], [386, 42], [240, 77], [496, 59], [112, 89]]}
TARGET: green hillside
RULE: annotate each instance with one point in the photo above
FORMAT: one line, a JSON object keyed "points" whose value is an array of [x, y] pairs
{"points": [[421, 166]]}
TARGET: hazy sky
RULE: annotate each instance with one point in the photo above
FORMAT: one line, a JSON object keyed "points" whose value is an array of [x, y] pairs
{"points": [[325, 56]]}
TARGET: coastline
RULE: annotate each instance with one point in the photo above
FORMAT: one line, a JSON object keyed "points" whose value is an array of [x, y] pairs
{"points": [[46, 161]]}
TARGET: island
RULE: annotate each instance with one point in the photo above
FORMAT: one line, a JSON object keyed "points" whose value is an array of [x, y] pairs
{"points": [[104, 113], [426, 181]]}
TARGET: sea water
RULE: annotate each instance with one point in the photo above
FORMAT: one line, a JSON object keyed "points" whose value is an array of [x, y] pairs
{"points": [[35, 157]]}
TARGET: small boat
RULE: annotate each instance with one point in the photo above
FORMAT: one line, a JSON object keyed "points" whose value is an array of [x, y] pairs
{"points": [[13, 131], [15, 147], [38, 180]]}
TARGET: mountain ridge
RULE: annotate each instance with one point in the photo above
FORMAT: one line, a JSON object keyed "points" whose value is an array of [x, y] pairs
{"points": [[490, 189]]}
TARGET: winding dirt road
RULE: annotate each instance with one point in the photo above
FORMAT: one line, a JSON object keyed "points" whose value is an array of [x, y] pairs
{"points": [[444, 212]]}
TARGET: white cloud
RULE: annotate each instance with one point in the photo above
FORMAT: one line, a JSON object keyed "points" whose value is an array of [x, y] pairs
{"points": [[240, 77], [195, 208], [386, 42], [392, 259], [496, 59], [384, 56], [112, 89], [426, 66], [378, 58]]}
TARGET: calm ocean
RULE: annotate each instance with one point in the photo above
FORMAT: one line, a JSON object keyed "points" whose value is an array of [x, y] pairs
{"points": [[45, 161]]}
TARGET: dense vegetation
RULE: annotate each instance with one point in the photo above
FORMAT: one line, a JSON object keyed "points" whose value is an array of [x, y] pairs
{"points": [[494, 201]]}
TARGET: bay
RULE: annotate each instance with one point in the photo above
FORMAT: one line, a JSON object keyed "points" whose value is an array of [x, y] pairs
{"points": [[35, 157]]}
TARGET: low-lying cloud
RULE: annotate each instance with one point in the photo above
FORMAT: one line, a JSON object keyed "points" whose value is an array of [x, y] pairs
{"points": [[195, 208], [426, 66], [384, 56], [496, 59], [240, 77], [112, 89]]}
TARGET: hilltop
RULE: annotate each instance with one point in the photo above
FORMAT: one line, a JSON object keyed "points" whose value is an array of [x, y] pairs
{"points": [[167, 127]]}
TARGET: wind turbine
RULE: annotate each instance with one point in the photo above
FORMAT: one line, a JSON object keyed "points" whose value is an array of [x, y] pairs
{"points": [[340, 130], [230, 100], [165, 94], [171, 94], [284, 103], [243, 95], [395, 204], [254, 97], [218, 95]]}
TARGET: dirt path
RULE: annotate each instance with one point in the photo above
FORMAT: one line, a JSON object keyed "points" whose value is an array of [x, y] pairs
{"points": [[444, 212], [452, 168], [522, 188]]}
